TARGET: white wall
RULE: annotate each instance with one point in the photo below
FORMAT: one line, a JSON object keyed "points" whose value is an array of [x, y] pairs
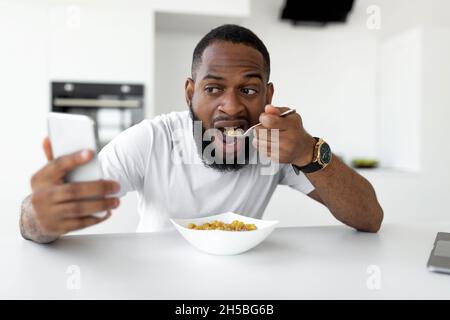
{"points": [[173, 54], [24, 101], [400, 99]]}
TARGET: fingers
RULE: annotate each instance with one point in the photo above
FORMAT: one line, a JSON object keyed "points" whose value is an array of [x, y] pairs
{"points": [[271, 119], [278, 148], [58, 168], [270, 109], [52, 218], [267, 148], [81, 223], [264, 133], [79, 209], [46, 145], [82, 190]]}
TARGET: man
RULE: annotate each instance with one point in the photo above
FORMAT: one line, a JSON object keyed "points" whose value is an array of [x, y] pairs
{"points": [[182, 169]]}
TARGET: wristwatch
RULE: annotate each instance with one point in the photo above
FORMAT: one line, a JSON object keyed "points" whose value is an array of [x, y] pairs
{"points": [[321, 158]]}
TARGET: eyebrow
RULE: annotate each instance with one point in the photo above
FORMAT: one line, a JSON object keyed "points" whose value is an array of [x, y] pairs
{"points": [[248, 76], [254, 75], [213, 77]]}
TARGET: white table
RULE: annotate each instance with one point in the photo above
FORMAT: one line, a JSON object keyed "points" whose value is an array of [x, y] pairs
{"points": [[293, 263]]}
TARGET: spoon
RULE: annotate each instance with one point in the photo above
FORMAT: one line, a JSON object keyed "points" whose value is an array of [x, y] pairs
{"points": [[247, 132]]}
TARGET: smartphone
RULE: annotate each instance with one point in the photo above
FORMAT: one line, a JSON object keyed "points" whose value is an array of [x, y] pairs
{"points": [[440, 255], [70, 133]]}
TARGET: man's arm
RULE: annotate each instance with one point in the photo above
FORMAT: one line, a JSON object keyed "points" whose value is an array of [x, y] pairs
{"points": [[29, 228], [349, 196]]}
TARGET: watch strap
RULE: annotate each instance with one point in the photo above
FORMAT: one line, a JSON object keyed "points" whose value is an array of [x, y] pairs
{"points": [[311, 167]]}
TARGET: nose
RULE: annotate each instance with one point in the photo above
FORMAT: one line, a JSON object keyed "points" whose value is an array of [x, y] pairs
{"points": [[231, 105]]}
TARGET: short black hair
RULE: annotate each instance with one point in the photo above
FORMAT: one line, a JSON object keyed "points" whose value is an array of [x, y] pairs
{"points": [[234, 34]]}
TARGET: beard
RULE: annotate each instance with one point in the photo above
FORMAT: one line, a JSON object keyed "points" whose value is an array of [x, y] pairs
{"points": [[209, 159]]}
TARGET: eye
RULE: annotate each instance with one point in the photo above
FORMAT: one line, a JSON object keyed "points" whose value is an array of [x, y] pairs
{"points": [[212, 90], [248, 91]]}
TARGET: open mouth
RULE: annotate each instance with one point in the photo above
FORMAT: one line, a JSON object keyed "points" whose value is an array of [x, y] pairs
{"points": [[231, 129], [230, 135], [227, 136]]}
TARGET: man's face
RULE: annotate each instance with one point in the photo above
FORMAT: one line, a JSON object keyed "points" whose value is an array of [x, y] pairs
{"points": [[230, 89]]}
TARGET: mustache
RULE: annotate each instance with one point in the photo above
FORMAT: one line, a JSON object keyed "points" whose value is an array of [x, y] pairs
{"points": [[243, 121], [223, 117], [220, 117]]}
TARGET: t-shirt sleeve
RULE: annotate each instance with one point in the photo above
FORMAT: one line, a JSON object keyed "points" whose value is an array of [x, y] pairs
{"points": [[298, 182], [124, 159]]}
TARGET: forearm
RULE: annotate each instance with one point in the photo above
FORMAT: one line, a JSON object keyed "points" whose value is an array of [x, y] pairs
{"points": [[348, 195], [29, 228]]}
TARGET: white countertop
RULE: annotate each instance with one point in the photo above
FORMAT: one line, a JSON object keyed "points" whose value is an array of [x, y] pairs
{"points": [[292, 263]]}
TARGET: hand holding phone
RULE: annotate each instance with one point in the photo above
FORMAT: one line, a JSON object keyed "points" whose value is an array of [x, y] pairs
{"points": [[70, 133], [68, 191], [59, 207]]}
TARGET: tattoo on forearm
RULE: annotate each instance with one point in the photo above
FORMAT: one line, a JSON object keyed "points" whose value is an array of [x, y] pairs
{"points": [[28, 227]]}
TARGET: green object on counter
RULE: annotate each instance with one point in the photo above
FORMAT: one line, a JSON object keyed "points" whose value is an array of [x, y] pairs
{"points": [[364, 163]]}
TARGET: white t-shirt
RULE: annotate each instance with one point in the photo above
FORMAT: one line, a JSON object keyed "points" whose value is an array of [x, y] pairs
{"points": [[144, 158]]}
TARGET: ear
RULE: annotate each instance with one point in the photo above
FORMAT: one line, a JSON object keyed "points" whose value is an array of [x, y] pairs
{"points": [[269, 93], [189, 86]]}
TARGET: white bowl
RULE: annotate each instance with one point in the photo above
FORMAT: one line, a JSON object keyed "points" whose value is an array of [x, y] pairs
{"points": [[222, 242]]}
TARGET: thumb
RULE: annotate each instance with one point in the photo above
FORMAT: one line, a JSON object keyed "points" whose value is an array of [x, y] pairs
{"points": [[272, 110], [46, 145]]}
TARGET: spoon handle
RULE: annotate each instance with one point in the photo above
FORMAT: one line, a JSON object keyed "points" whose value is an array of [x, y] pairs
{"points": [[284, 114]]}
